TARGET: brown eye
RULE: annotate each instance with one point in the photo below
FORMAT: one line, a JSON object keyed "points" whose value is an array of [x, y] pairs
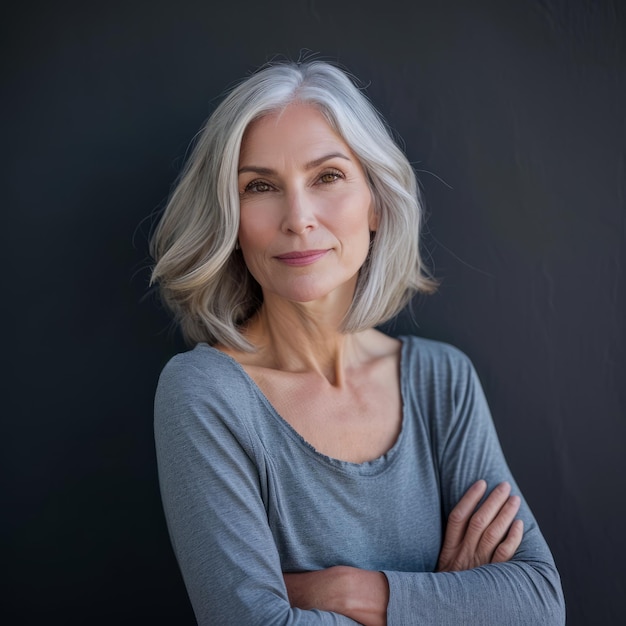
{"points": [[330, 177], [258, 186]]}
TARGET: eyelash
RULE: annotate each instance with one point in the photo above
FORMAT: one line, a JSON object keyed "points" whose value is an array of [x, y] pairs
{"points": [[252, 186], [335, 173]]}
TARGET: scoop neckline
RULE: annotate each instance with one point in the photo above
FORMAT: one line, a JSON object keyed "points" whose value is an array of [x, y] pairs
{"points": [[370, 467]]}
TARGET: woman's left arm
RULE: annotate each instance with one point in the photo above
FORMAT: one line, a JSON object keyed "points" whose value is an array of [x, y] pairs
{"points": [[468, 587], [475, 535], [524, 589]]}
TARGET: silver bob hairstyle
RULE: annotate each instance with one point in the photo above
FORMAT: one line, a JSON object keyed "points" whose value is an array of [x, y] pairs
{"points": [[202, 276]]}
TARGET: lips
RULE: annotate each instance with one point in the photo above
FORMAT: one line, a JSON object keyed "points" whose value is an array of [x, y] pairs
{"points": [[302, 257]]}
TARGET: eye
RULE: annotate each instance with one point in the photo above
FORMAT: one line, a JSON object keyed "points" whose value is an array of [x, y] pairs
{"points": [[257, 186], [330, 177]]}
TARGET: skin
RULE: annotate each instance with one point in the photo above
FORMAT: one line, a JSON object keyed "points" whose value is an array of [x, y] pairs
{"points": [[473, 537], [306, 218], [302, 188]]}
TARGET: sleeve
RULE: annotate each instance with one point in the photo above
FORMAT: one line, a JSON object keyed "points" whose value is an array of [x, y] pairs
{"points": [[211, 494], [525, 590]]}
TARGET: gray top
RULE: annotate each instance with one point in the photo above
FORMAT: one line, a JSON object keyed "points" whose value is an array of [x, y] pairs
{"points": [[246, 498]]}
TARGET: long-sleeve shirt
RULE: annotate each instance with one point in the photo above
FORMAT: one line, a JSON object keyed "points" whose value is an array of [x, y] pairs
{"points": [[246, 498]]}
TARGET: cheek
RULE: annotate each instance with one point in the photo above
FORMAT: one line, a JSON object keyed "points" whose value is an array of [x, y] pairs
{"points": [[362, 207], [363, 217], [252, 252], [253, 225]]}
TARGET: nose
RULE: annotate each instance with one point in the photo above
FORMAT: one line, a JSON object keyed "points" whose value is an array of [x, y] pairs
{"points": [[298, 213]]}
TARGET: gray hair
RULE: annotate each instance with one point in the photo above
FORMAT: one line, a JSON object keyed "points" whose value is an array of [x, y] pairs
{"points": [[203, 278]]}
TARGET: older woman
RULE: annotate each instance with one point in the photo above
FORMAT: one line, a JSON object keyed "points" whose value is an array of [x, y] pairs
{"points": [[313, 469]]}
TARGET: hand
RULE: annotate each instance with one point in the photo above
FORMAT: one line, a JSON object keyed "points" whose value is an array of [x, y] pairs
{"points": [[487, 535], [361, 595]]}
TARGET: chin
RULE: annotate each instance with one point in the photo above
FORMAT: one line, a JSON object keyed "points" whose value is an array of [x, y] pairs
{"points": [[304, 290], [339, 295]]}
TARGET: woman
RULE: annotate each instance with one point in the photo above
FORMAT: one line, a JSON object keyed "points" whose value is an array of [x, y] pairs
{"points": [[313, 469]]}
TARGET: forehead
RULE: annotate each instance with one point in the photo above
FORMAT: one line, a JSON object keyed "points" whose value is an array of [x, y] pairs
{"points": [[297, 130]]}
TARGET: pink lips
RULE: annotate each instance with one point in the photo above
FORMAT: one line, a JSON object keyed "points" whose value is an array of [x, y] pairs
{"points": [[305, 257]]}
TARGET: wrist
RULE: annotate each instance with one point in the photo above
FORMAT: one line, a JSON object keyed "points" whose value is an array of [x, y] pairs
{"points": [[365, 595]]}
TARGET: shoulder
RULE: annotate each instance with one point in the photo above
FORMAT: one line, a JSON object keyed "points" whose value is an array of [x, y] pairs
{"points": [[202, 385], [201, 368], [443, 389], [438, 376], [434, 358]]}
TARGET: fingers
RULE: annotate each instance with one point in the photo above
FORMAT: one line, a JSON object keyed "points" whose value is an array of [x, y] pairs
{"points": [[461, 513], [505, 551], [499, 525], [490, 509], [491, 526], [477, 534]]}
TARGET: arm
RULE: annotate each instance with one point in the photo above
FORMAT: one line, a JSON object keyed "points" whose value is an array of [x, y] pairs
{"points": [[211, 491], [526, 589], [489, 570], [360, 594], [475, 535]]}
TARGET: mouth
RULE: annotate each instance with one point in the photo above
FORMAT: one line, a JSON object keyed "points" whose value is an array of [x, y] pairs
{"points": [[305, 257]]}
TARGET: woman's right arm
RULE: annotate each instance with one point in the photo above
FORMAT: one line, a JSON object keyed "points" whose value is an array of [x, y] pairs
{"points": [[211, 493], [484, 575], [476, 534]]}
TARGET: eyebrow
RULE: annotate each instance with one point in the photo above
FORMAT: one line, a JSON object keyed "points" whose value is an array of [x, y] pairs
{"points": [[308, 166]]}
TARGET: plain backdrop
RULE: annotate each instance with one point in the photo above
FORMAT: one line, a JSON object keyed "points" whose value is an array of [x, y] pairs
{"points": [[514, 115]]}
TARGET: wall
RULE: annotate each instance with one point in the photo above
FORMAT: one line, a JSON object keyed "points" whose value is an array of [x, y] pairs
{"points": [[513, 113]]}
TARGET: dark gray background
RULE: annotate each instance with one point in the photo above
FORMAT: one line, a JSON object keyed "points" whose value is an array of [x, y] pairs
{"points": [[514, 114]]}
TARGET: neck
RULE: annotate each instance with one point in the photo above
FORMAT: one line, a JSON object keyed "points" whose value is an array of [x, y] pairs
{"points": [[303, 338]]}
